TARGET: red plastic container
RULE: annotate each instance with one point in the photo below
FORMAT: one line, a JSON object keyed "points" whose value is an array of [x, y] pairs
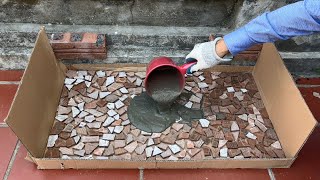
{"points": [[163, 63]]}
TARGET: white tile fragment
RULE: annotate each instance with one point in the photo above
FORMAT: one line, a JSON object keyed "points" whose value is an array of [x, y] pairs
{"points": [[72, 102], [111, 113], [87, 83], [123, 90], [110, 105], [103, 143], [81, 106], [82, 124], [69, 81], [119, 104], [108, 121], [118, 129], [101, 74], [75, 111], [222, 143], [201, 78], [88, 78], [223, 96], [251, 136], [124, 97], [111, 129], [224, 152], [243, 117], [116, 117], [83, 114], [122, 74], [52, 140], [61, 117], [93, 95], [138, 82], [69, 87], [234, 126], [156, 151], [276, 145], [104, 94], [174, 148], [90, 118], [150, 142], [149, 151], [188, 105], [316, 94], [204, 123], [109, 80], [109, 137], [244, 90], [203, 85], [230, 89], [82, 73]]}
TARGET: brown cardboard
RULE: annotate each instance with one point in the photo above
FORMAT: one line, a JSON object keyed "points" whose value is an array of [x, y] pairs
{"points": [[33, 109], [32, 113], [287, 109]]}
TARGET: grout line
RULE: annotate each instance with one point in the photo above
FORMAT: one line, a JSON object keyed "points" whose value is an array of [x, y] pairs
{"points": [[141, 174], [271, 175], [3, 125], [13, 157], [10, 82]]}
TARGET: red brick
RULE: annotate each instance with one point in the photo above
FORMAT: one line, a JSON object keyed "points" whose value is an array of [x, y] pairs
{"points": [[7, 92], [8, 142], [72, 56], [306, 165], [11, 75], [185, 174], [100, 50], [312, 101], [89, 40], [27, 170]]}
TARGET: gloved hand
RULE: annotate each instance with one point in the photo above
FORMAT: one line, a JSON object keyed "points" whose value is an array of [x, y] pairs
{"points": [[206, 56]]}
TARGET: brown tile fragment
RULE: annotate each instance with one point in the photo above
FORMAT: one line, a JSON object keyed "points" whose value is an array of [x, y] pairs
{"points": [[214, 142], [183, 135], [101, 103], [120, 151], [57, 127], [206, 150], [279, 153], [194, 136], [52, 153], [232, 145], [215, 152], [109, 151], [64, 135], [233, 152], [90, 147], [70, 142]]}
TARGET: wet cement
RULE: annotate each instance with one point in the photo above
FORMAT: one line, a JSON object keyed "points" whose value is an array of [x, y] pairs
{"points": [[144, 113], [164, 86], [157, 112]]}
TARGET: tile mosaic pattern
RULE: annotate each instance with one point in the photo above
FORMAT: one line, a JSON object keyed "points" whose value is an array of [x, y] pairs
{"points": [[91, 120]]}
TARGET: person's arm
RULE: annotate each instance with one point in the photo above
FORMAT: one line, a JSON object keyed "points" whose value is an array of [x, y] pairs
{"points": [[297, 19]]}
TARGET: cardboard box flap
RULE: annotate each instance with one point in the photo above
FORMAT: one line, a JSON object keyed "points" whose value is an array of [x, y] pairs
{"points": [[291, 117], [34, 106]]}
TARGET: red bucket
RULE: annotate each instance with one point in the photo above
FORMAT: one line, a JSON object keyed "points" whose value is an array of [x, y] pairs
{"points": [[163, 64]]}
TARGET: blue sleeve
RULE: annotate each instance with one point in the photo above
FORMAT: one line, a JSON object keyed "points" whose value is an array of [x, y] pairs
{"points": [[297, 19]]}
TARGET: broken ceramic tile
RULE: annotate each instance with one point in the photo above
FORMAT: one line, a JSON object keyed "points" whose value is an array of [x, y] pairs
{"points": [[131, 147], [103, 143], [174, 148], [90, 118], [204, 123], [94, 125], [119, 104], [61, 117], [203, 85], [118, 129], [101, 74], [276, 145], [69, 81], [188, 105], [75, 111], [111, 113], [222, 143], [194, 98], [224, 152], [230, 89], [156, 151], [138, 82], [149, 151], [94, 95], [123, 90], [104, 94], [52, 140], [251, 136], [243, 117], [85, 139]]}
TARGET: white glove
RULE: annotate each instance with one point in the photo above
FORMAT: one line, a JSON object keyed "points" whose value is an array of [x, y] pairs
{"points": [[206, 56]]}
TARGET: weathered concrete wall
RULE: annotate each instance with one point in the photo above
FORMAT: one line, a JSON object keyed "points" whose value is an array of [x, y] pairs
{"points": [[119, 12]]}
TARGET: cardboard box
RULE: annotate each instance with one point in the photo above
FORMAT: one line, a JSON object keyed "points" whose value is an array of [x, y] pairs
{"points": [[33, 111]]}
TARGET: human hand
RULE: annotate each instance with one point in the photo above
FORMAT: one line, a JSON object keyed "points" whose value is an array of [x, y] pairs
{"points": [[207, 55]]}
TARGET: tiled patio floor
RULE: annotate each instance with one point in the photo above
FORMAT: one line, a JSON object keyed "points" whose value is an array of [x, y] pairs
{"points": [[14, 166]]}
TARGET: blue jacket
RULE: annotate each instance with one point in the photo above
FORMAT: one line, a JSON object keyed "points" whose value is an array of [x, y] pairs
{"points": [[297, 19]]}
